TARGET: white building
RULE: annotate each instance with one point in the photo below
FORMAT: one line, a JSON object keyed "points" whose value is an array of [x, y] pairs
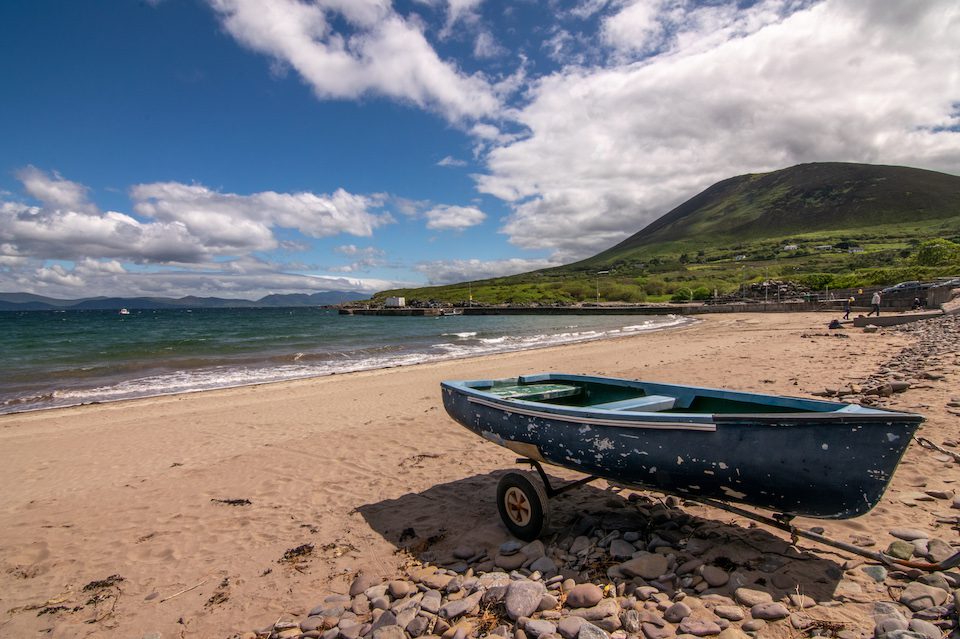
{"points": [[395, 302]]}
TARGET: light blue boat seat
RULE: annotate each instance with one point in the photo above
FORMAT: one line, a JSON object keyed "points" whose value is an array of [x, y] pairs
{"points": [[645, 404], [535, 392]]}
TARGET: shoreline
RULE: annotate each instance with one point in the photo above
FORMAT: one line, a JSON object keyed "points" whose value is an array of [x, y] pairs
{"points": [[347, 463], [682, 322]]}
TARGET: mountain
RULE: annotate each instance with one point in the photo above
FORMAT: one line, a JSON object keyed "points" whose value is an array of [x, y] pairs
{"points": [[31, 302], [804, 199], [827, 225]]}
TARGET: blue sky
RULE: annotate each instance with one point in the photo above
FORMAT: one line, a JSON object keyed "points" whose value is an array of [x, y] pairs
{"points": [[242, 147]]}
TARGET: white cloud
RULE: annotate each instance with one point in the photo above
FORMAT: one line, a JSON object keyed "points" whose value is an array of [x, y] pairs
{"points": [[54, 191], [245, 221], [453, 218], [449, 160], [385, 54], [365, 258], [609, 149], [451, 272]]}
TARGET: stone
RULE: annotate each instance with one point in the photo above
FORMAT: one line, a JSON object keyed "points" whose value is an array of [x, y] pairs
{"points": [[750, 597], [431, 601], [925, 629], [534, 550], [386, 619], [909, 534], [646, 566], [733, 633], [900, 549], [653, 631], [454, 609], [539, 627], [620, 549], [463, 552], [389, 632], [590, 631], [754, 625], [699, 627], [801, 601], [731, 613], [312, 623], [399, 588], [677, 612], [523, 598], [548, 602], [584, 596], [938, 550], [417, 626], [769, 611], [630, 620], [917, 596], [544, 565], [509, 562], [511, 547], [877, 573], [580, 545], [606, 608], [569, 627], [716, 577]]}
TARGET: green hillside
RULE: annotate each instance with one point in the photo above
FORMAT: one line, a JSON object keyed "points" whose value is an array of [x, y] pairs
{"points": [[824, 225]]}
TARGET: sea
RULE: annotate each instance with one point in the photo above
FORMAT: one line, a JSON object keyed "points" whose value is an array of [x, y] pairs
{"points": [[62, 358]]}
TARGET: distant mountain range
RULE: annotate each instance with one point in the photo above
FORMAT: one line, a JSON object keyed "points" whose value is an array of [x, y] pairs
{"points": [[30, 302]]}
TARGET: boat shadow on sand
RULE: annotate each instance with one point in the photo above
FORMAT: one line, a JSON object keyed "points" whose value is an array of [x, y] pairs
{"points": [[461, 517]]}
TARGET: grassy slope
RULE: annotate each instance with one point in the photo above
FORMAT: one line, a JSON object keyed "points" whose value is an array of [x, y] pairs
{"points": [[885, 210]]}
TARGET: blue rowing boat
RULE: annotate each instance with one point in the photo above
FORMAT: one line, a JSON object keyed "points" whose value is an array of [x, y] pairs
{"points": [[792, 456]]}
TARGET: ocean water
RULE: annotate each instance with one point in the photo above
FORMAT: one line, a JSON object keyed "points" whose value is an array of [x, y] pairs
{"points": [[62, 358]]}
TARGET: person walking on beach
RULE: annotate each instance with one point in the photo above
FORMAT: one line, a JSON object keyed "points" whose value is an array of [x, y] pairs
{"points": [[847, 303], [875, 302]]}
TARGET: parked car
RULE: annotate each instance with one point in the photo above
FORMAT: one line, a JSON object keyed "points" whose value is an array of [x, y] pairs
{"points": [[905, 287], [949, 282]]}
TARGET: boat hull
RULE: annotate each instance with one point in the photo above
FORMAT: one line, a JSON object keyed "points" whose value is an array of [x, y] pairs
{"points": [[834, 466]]}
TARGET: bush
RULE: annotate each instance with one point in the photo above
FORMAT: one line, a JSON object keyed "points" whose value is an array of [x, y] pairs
{"points": [[702, 293], [938, 252], [682, 295]]}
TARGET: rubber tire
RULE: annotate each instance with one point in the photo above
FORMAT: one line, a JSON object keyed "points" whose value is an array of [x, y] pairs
{"points": [[535, 499]]}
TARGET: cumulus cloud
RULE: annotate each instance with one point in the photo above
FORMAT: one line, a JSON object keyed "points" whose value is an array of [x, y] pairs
{"points": [[184, 223], [611, 148], [382, 54], [453, 218], [184, 235], [53, 190], [453, 271]]}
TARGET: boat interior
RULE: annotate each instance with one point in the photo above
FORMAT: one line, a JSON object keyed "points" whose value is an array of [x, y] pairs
{"points": [[628, 396]]}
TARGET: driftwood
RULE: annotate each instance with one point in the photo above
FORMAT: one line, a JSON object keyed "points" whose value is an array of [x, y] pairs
{"points": [[177, 594]]}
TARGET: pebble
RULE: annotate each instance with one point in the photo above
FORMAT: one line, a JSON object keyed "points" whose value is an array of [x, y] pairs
{"points": [[732, 613], [909, 534], [584, 596], [769, 611], [877, 573], [751, 598], [646, 566], [900, 549], [677, 612], [917, 596], [523, 598]]}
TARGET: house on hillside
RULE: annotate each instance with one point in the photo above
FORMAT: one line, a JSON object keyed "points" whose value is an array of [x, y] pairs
{"points": [[739, 258], [790, 247], [395, 302], [855, 249]]}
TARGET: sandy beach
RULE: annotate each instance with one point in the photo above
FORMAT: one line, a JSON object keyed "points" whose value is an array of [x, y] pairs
{"points": [[352, 464]]}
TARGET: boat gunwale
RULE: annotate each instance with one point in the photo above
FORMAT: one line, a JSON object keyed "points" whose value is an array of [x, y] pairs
{"points": [[860, 415]]}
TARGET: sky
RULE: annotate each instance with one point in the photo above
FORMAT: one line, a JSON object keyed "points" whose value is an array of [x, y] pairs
{"points": [[237, 148]]}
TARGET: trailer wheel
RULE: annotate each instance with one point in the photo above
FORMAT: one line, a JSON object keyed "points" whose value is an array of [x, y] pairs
{"points": [[523, 505]]}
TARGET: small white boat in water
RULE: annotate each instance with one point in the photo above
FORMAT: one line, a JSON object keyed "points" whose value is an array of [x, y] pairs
{"points": [[124, 311]]}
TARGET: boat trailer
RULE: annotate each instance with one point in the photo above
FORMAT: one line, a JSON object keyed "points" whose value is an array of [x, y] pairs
{"points": [[525, 510]]}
